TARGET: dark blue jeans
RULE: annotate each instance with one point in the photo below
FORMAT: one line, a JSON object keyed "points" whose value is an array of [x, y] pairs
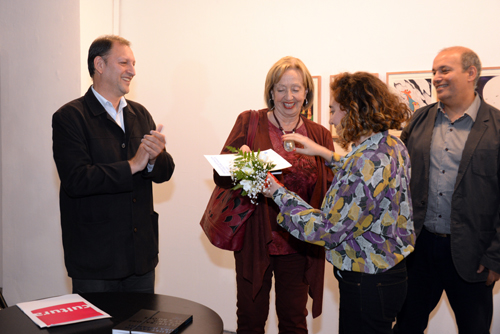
{"points": [[430, 272], [369, 303], [143, 283]]}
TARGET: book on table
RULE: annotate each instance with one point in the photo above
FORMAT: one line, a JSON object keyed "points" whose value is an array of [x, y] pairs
{"points": [[149, 321], [62, 310]]}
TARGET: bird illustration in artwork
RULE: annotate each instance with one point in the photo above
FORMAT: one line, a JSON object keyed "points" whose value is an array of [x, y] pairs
{"points": [[414, 105]]}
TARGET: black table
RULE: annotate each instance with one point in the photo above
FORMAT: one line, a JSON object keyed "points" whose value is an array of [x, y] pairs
{"points": [[120, 306]]}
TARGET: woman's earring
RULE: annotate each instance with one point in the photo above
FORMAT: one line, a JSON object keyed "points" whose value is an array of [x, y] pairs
{"points": [[271, 103]]}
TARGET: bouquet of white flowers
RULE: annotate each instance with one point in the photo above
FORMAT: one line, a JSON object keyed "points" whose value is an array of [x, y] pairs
{"points": [[249, 171]]}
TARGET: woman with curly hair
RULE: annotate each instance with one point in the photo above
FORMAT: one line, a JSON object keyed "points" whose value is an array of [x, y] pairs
{"points": [[366, 221]]}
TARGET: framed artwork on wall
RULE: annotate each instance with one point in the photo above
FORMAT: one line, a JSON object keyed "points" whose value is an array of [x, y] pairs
{"points": [[314, 113], [488, 86], [415, 88]]}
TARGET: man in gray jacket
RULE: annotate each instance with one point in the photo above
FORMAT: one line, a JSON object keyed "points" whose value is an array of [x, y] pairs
{"points": [[454, 147]]}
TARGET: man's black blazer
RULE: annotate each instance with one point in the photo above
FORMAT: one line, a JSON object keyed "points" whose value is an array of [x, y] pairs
{"points": [[109, 226]]}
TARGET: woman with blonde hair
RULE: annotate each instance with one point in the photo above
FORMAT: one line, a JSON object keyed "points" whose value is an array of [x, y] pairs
{"points": [[297, 267]]}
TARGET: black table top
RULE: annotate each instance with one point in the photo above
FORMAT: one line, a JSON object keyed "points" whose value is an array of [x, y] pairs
{"points": [[120, 306]]}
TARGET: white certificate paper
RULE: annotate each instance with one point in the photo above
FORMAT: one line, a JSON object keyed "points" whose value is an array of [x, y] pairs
{"points": [[223, 162], [62, 310]]}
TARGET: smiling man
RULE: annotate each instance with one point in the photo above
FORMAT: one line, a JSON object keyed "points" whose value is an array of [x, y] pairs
{"points": [[108, 151], [454, 148]]}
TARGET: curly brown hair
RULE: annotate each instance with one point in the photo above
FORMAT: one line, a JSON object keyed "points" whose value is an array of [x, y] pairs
{"points": [[369, 105]]}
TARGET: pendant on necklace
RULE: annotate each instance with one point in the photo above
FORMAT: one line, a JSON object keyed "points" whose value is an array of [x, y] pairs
{"points": [[289, 145]]}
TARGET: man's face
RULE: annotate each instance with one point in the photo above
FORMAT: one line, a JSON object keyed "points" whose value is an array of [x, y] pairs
{"points": [[117, 71], [451, 82]]}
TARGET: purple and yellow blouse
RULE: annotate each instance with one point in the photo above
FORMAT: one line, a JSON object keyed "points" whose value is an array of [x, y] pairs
{"points": [[366, 219]]}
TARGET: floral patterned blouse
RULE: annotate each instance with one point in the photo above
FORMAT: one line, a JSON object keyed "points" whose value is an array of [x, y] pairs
{"points": [[366, 219]]}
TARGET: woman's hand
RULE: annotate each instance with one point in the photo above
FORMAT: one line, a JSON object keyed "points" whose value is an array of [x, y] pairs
{"points": [[245, 148], [272, 185], [309, 146]]}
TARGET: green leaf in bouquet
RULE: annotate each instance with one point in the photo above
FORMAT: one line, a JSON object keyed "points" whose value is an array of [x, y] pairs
{"points": [[232, 149]]}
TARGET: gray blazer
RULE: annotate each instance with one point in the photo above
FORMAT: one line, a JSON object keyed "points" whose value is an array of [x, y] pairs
{"points": [[475, 221]]}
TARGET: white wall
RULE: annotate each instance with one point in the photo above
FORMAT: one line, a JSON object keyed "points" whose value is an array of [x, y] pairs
{"points": [[40, 70], [199, 64]]}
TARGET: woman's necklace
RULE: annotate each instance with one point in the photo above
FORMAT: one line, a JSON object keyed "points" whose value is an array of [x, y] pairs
{"points": [[289, 145]]}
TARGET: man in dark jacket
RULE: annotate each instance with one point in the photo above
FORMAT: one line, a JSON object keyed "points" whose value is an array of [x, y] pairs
{"points": [[454, 147], [108, 151]]}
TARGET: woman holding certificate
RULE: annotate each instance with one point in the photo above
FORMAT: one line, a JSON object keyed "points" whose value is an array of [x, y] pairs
{"points": [[366, 220], [268, 250]]}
